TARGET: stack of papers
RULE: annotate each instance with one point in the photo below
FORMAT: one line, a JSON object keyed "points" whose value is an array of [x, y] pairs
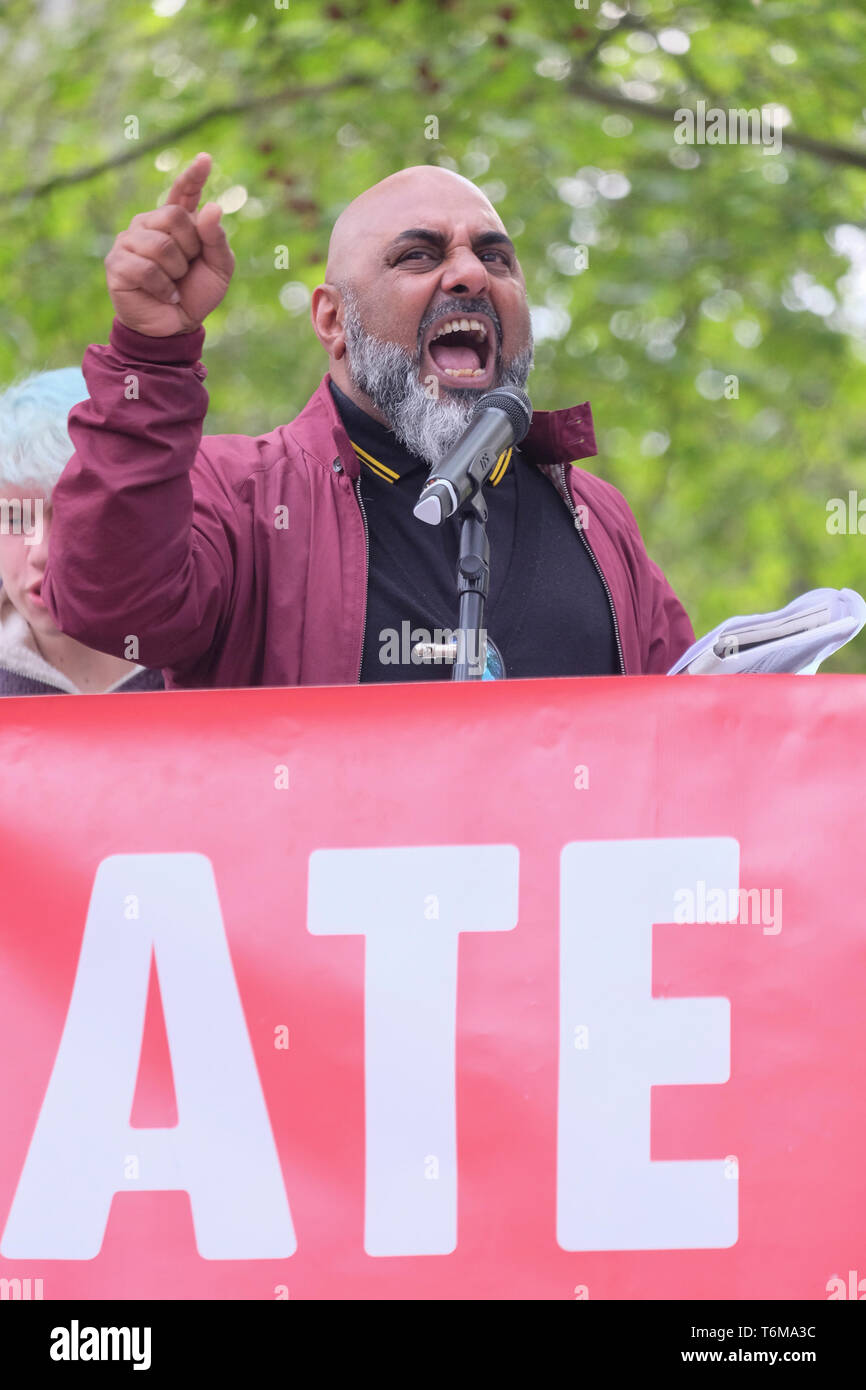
{"points": [[795, 639]]}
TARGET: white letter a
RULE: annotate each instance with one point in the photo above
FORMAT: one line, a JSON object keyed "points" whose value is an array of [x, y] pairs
{"points": [[222, 1150]]}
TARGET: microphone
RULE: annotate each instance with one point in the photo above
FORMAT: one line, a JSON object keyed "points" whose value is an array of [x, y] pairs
{"points": [[500, 418]]}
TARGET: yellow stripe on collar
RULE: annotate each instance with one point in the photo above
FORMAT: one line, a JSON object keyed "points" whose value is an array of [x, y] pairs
{"points": [[501, 467], [388, 475], [380, 469]]}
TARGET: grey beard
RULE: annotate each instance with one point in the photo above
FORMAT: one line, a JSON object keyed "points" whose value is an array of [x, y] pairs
{"points": [[427, 426]]}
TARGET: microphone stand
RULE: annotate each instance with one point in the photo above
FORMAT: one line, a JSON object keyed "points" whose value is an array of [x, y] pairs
{"points": [[473, 584]]}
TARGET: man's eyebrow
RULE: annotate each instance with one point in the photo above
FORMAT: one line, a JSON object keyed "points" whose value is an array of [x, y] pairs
{"points": [[439, 239], [427, 234], [494, 239]]}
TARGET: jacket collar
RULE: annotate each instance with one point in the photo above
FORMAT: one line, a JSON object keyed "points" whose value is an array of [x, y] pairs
{"points": [[555, 436]]}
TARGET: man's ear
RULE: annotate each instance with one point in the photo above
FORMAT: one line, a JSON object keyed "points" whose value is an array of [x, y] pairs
{"points": [[326, 311]]}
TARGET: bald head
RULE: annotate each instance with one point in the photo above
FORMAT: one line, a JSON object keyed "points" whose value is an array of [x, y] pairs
{"points": [[410, 197]]}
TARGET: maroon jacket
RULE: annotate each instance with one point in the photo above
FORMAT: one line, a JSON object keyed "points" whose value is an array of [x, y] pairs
{"points": [[181, 541]]}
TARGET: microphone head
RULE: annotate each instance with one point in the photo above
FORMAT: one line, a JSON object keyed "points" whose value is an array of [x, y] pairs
{"points": [[429, 508], [437, 502], [514, 403]]}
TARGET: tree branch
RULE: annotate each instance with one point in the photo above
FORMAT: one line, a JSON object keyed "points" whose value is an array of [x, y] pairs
{"points": [[580, 86], [167, 137]]}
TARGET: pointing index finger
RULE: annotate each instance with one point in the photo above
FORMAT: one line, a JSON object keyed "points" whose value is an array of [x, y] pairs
{"points": [[187, 187]]}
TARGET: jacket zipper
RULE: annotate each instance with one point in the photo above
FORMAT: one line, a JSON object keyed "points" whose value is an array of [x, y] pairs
{"points": [[366, 571], [566, 493]]}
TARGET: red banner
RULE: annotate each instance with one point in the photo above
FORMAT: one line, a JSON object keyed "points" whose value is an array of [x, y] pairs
{"points": [[532, 989]]}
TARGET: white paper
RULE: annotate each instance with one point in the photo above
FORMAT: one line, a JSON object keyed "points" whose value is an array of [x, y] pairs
{"points": [[795, 639]]}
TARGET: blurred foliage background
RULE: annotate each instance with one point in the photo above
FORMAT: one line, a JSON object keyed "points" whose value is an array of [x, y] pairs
{"points": [[657, 271]]}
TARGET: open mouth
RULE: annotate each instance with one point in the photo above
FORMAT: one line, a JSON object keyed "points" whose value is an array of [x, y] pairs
{"points": [[461, 350]]}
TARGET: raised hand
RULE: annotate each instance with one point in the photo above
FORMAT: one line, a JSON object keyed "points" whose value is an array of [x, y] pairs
{"points": [[170, 267]]}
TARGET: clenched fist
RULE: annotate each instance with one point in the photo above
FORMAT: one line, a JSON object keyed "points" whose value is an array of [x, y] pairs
{"points": [[172, 266]]}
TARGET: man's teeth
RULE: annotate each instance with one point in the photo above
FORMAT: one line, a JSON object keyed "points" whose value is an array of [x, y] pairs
{"points": [[460, 326], [463, 371]]}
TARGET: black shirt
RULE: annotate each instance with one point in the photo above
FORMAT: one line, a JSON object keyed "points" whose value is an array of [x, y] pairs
{"points": [[547, 610]]}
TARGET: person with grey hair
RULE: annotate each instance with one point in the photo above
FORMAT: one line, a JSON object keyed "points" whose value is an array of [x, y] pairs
{"points": [[295, 558], [36, 658]]}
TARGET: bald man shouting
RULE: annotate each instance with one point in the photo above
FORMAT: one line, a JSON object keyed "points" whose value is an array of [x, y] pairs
{"points": [[295, 558]]}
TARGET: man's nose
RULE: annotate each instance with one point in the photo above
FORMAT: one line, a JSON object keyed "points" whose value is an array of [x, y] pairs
{"points": [[465, 274]]}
